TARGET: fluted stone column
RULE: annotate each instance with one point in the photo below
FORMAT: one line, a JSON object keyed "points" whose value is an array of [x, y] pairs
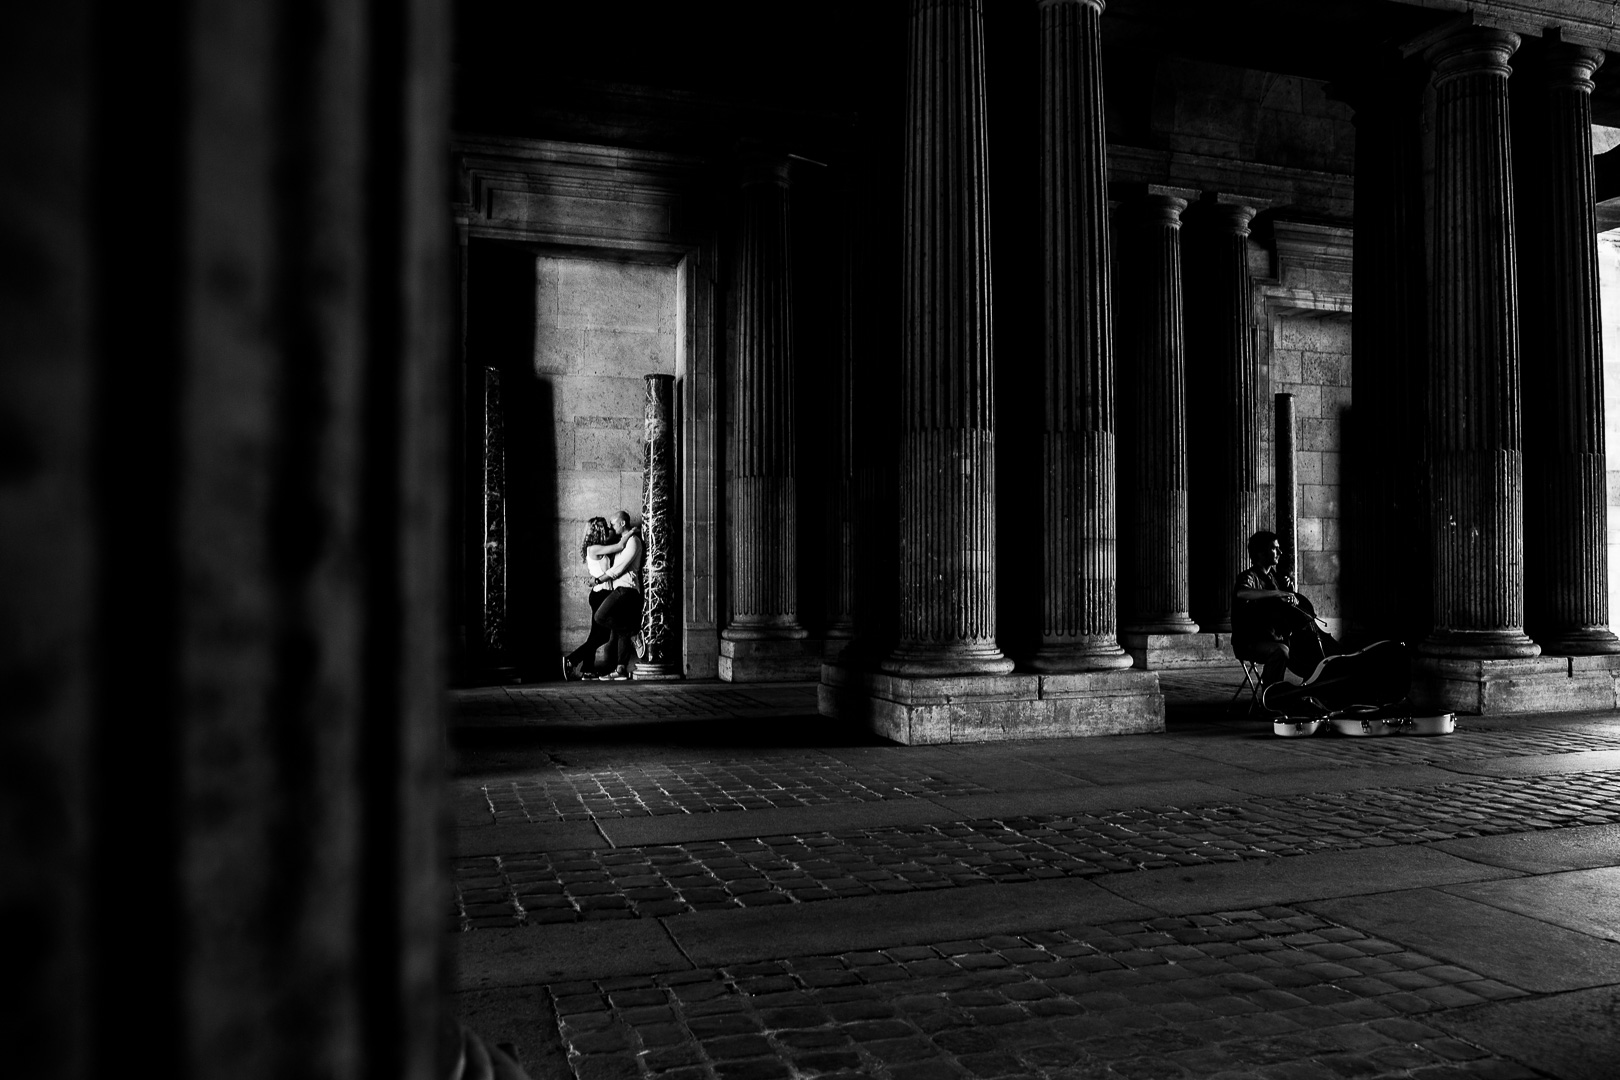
{"points": [[1387, 529], [841, 551], [1475, 465], [764, 531], [947, 437], [1566, 563], [1153, 470], [1079, 525], [661, 654], [1224, 470]]}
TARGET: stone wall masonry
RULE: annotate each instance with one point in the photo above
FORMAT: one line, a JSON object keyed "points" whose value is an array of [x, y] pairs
{"points": [[1309, 356]]}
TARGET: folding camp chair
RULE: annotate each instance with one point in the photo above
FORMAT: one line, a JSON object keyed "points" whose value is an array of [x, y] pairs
{"points": [[1251, 683]]}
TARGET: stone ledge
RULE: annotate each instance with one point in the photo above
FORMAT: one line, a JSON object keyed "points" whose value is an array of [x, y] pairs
{"points": [[1504, 687], [993, 708], [1164, 652]]}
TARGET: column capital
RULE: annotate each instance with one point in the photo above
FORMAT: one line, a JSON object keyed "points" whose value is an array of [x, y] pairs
{"points": [[1565, 66], [1470, 49], [1229, 212], [1099, 5], [1153, 203]]}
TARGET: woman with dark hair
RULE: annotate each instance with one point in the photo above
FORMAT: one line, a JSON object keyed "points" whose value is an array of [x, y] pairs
{"points": [[596, 550]]}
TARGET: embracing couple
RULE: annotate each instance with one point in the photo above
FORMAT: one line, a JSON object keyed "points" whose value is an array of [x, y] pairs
{"points": [[612, 556]]}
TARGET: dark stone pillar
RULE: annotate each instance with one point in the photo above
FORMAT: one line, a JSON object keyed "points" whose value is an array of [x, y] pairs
{"points": [[842, 488], [661, 654], [763, 534], [1475, 465], [1565, 542], [492, 576], [1223, 466], [1153, 473], [1386, 529], [1079, 523], [947, 437]]}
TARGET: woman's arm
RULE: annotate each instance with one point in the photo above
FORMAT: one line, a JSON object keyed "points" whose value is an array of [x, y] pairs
{"points": [[601, 550]]}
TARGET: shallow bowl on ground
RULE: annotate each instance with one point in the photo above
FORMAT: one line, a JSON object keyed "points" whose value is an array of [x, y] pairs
{"points": [[1444, 724], [1291, 728], [1355, 725]]}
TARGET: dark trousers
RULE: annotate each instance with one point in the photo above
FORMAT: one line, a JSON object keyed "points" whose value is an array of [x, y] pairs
{"points": [[620, 613], [584, 656]]}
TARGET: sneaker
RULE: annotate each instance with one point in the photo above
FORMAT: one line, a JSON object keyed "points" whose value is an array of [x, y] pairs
{"points": [[641, 645], [569, 674], [618, 675]]}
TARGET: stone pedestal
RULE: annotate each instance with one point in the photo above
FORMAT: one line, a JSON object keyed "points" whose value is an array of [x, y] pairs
{"points": [[947, 623], [1079, 525], [1153, 418], [771, 660], [994, 708], [660, 660], [1474, 447], [1223, 474], [1542, 684], [1565, 541], [763, 534]]}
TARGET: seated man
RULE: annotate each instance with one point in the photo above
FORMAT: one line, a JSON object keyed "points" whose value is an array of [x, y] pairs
{"points": [[1267, 612]]}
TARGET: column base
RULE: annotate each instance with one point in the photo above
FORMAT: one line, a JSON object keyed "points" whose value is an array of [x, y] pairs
{"points": [[778, 660], [947, 661], [916, 710], [1526, 685], [1585, 641], [1478, 645], [641, 671], [1163, 652], [1061, 657]]}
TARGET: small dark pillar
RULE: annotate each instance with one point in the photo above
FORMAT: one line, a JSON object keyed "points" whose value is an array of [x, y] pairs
{"points": [[492, 602], [1224, 461], [1286, 482], [1566, 515], [841, 550], [1475, 446], [1153, 417], [1079, 525], [947, 619], [661, 658]]}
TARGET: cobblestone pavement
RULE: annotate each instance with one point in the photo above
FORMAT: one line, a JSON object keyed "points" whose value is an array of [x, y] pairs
{"points": [[1273, 993], [703, 786], [630, 882], [599, 701]]}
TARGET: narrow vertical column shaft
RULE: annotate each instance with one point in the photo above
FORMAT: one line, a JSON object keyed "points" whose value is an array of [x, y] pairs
{"points": [[1387, 527], [660, 658], [1475, 465], [1079, 525], [1223, 472], [1286, 482], [492, 635], [764, 531], [947, 438], [1153, 418], [1566, 564], [841, 524]]}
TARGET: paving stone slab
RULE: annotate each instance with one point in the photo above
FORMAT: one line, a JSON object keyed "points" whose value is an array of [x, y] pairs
{"points": [[528, 956], [507, 839], [1572, 1036], [1293, 880], [1587, 901], [1539, 764], [689, 828], [1513, 948], [1579, 847], [722, 937]]}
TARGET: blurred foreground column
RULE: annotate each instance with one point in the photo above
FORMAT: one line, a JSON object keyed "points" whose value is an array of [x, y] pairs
{"points": [[222, 525]]}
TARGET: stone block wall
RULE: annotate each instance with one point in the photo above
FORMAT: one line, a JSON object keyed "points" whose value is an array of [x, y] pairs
{"points": [[1309, 357], [600, 327]]}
